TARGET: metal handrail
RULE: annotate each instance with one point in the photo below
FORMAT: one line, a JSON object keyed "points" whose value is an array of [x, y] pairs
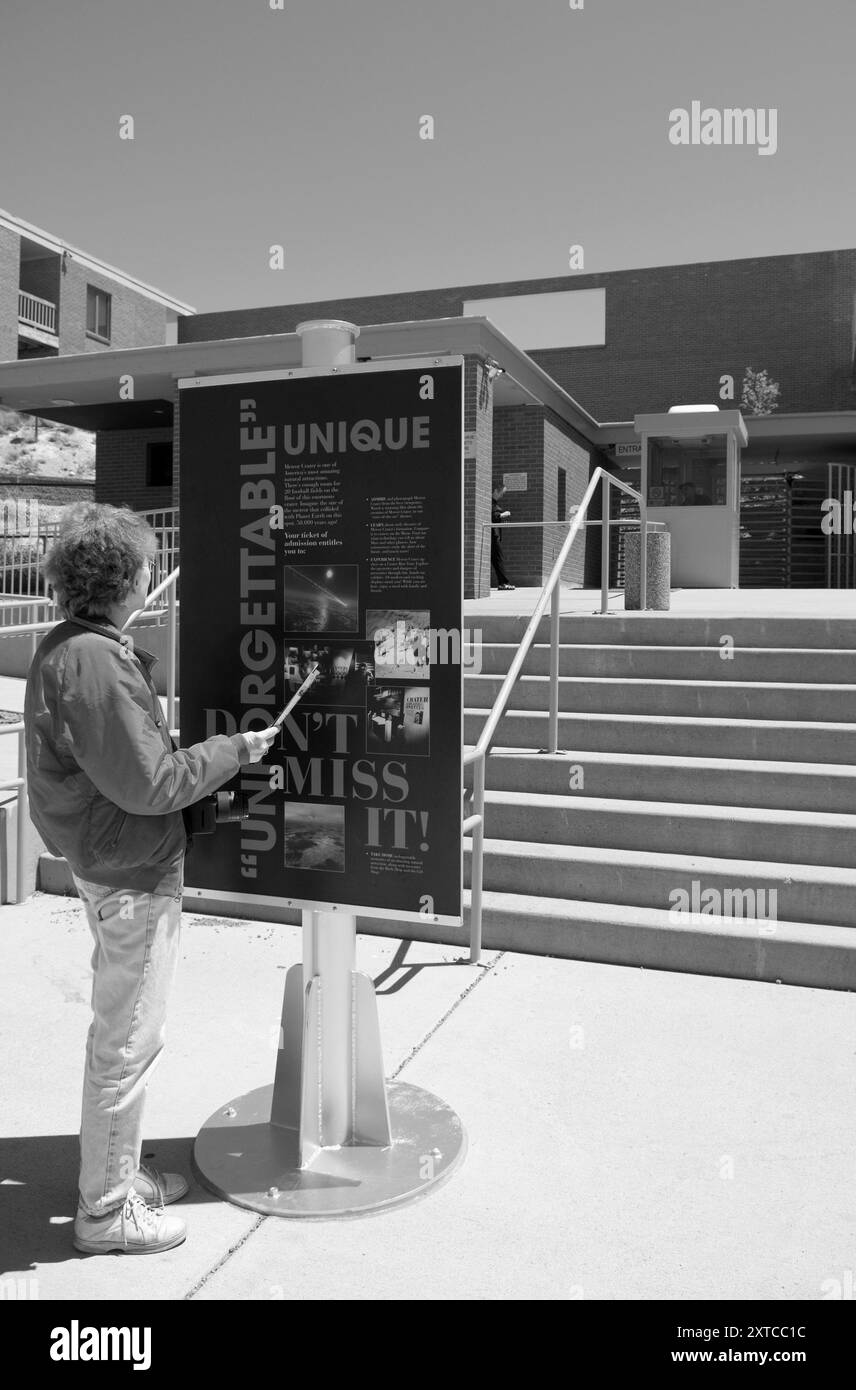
{"points": [[19, 783], [551, 591]]}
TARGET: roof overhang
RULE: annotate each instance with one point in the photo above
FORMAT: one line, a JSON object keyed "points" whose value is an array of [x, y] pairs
{"points": [[84, 389], [797, 430]]}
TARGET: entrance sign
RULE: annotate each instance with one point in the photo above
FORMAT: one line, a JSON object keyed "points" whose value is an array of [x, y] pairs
{"points": [[322, 526]]}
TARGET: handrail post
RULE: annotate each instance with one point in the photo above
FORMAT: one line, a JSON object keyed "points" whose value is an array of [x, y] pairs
{"points": [[604, 552], [643, 556], [20, 857], [170, 667], [477, 862], [555, 605]]}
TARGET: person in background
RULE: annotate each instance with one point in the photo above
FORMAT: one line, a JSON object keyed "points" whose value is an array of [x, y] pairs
{"points": [[496, 557], [107, 789], [691, 496]]}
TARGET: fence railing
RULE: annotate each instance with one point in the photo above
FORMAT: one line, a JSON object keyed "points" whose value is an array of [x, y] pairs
{"points": [[551, 593], [25, 533], [40, 313], [165, 523]]}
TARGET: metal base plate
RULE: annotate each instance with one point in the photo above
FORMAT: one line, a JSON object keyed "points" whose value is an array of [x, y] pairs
{"points": [[242, 1157]]}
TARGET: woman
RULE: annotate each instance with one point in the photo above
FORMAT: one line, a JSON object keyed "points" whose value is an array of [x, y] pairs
{"points": [[107, 789]]}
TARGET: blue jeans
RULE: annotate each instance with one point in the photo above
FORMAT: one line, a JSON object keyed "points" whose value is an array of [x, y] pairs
{"points": [[134, 962]]}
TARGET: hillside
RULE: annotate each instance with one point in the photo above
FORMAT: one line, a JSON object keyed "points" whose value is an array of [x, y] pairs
{"points": [[59, 451]]}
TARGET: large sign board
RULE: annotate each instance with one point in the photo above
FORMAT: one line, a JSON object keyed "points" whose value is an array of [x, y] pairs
{"points": [[322, 527]]}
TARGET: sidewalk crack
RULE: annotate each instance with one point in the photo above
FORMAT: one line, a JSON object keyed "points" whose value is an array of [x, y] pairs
{"points": [[429, 1035]]}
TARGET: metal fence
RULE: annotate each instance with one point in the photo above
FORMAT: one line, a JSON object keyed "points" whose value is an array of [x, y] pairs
{"points": [[164, 521], [26, 531]]}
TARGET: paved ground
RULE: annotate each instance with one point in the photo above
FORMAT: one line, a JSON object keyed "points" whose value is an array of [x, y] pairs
{"points": [[631, 1134], [686, 603]]}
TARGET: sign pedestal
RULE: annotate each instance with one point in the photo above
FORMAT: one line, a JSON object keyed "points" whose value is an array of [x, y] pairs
{"points": [[330, 1137]]}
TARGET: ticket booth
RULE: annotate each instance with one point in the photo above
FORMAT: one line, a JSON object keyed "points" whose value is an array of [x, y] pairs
{"points": [[691, 480]]}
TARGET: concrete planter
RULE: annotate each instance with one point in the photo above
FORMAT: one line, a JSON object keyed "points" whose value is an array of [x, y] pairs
{"points": [[659, 570]]}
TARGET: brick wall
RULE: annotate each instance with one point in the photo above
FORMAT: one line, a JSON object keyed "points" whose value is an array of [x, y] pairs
{"points": [[478, 429], [671, 331], [135, 321], [120, 469], [563, 448], [518, 447], [48, 495], [10, 263]]}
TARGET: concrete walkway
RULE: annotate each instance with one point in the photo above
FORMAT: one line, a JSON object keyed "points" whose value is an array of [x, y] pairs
{"points": [[684, 603], [631, 1134]]}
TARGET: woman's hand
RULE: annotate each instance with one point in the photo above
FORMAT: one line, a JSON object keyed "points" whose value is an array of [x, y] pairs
{"points": [[259, 741]]}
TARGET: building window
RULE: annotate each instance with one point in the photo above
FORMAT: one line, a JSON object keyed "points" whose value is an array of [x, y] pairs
{"points": [[98, 313], [562, 497], [159, 465]]}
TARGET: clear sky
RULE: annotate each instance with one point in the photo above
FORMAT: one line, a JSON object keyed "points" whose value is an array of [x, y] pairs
{"points": [[300, 126]]}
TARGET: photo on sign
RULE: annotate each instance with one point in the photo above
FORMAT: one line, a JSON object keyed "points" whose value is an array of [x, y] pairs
{"points": [[401, 638], [315, 837], [321, 598], [398, 719], [345, 670]]}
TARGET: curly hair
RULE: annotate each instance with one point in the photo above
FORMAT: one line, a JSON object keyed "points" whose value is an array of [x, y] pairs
{"points": [[96, 556]]}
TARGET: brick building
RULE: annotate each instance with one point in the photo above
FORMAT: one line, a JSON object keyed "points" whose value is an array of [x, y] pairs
{"points": [[556, 371], [56, 299]]}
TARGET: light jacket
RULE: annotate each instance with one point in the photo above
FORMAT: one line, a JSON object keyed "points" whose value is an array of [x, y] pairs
{"points": [[106, 785]]}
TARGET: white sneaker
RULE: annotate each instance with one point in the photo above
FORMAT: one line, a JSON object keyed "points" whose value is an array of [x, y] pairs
{"points": [[135, 1229]]}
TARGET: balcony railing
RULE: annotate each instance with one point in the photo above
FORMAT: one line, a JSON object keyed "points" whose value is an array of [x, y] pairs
{"points": [[36, 312]]}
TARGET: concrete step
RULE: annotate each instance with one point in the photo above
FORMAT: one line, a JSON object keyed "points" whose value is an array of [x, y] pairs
{"points": [[707, 699], [674, 630], [767, 740], [823, 895], [758, 664], [653, 777], [727, 832], [795, 953]]}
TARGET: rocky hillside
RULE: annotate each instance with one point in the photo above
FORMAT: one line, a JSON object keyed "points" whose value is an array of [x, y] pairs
{"points": [[42, 449]]}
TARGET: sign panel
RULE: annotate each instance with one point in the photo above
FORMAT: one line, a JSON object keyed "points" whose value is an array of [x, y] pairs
{"points": [[322, 530], [516, 482]]}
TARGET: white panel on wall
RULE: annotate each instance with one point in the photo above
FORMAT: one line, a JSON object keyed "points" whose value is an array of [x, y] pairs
{"points": [[566, 318]]}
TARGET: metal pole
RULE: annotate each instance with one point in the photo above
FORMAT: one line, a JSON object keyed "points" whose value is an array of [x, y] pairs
{"points": [[555, 605], [643, 556], [330, 953], [477, 865], [604, 553], [170, 668], [22, 817]]}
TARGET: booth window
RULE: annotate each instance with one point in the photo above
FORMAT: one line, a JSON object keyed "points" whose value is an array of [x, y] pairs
{"points": [[687, 472], [98, 313], [159, 465]]}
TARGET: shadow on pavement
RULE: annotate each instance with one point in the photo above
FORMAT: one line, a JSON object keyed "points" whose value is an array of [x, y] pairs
{"points": [[410, 971], [38, 1195]]}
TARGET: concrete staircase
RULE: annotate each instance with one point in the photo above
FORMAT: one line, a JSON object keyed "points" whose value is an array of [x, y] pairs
{"points": [[688, 779]]}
